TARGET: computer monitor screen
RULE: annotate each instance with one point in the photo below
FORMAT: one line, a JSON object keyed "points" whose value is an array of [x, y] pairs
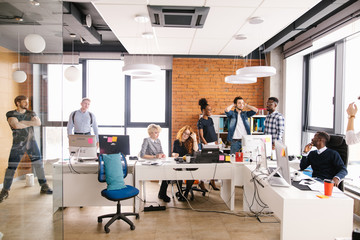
{"points": [[83, 146], [110, 144], [255, 143], [282, 161]]}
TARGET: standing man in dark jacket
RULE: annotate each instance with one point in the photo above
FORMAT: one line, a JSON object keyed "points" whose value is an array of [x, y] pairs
{"points": [[238, 129]]}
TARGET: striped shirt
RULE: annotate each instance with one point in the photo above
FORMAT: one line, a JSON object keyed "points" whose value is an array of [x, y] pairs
{"points": [[274, 126]]}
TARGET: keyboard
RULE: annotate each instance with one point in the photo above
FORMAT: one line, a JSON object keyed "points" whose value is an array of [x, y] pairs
{"points": [[278, 182]]}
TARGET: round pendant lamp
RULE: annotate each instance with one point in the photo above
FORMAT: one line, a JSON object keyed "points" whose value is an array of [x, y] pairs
{"points": [[141, 69], [72, 74], [236, 79], [34, 43], [19, 76], [256, 71]]}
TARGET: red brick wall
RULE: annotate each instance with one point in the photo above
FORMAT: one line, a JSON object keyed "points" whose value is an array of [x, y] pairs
{"points": [[195, 78]]}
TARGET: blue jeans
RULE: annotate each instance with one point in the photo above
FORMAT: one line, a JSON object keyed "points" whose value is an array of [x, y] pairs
{"points": [[235, 146], [16, 154]]}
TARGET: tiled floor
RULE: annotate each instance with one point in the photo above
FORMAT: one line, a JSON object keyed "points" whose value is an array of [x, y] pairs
{"points": [[28, 215]]}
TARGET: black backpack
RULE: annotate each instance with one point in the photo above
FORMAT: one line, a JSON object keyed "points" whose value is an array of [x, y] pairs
{"points": [[91, 118]]}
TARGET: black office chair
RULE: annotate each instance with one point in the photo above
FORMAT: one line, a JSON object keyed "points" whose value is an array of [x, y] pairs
{"points": [[338, 143], [182, 190], [117, 196]]}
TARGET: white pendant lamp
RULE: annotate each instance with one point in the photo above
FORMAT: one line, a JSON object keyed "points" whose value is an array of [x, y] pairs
{"points": [[19, 76], [72, 74], [256, 71], [143, 69], [34, 43], [236, 79]]}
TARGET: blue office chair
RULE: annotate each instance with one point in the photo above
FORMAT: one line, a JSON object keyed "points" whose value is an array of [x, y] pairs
{"points": [[117, 195]]}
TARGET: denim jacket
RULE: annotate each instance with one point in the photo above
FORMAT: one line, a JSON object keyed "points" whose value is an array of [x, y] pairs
{"points": [[232, 120]]}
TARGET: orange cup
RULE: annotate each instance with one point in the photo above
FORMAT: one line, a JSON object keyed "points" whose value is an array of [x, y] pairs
{"points": [[328, 187], [239, 157]]}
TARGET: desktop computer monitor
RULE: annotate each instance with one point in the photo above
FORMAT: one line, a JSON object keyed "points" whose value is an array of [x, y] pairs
{"points": [[254, 145], [283, 168], [110, 144], [83, 146]]}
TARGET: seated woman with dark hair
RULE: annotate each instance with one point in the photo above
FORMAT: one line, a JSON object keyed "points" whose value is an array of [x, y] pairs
{"points": [[185, 144]]}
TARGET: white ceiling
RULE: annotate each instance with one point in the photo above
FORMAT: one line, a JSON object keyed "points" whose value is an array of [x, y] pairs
{"points": [[226, 18]]}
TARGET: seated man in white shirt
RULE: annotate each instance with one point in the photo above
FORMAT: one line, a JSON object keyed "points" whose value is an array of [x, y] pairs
{"points": [[325, 162]]}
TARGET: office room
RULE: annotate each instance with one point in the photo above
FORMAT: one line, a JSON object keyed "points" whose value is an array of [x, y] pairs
{"points": [[57, 52]]}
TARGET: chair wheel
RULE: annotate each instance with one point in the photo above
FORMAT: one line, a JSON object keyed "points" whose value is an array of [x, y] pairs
{"points": [[107, 230], [132, 227], [137, 217], [99, 220]]}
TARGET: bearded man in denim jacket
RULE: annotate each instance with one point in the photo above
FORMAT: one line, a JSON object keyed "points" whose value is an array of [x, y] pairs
{"points": [[238, 129]]}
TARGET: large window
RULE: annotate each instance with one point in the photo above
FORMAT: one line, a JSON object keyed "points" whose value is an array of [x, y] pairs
{"points": [[331, 84], [106, 89], [120, 104], [62, 94], [320, 94]]}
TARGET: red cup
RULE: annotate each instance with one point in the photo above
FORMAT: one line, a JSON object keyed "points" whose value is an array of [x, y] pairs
{"points": [[328, 187], [239, 157]]}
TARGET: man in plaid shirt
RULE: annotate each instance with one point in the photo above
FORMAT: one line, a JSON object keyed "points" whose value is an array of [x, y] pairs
{"points": [[274, 122]]}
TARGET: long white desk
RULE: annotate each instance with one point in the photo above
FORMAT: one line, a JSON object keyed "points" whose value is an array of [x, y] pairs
{"points": [[82, 188], [302, 214], [170, 170]]}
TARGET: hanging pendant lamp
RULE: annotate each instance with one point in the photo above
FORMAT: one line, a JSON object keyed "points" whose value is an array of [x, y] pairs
{"points": [[236, 79], [34, 43], [141, 69], [256, 71], [18, 75]]}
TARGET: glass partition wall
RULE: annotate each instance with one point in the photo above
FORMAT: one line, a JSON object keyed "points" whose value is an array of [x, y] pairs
{"points": [[30, 37]]}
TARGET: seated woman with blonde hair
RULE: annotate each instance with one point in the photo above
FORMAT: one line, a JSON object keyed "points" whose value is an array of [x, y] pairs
{"points": [[185, 144], [151, 149]]}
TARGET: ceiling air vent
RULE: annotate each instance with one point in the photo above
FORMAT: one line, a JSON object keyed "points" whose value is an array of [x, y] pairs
{"points": [[178, 16]]}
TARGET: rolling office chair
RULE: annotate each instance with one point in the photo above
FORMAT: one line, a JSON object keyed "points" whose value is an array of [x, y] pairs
{"points": [[117, 196], [338, 143], [191, 190]]}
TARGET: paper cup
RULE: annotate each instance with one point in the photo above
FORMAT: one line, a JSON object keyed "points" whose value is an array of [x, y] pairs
{"points": [[30, 179], [328, 187], [188, 159]]}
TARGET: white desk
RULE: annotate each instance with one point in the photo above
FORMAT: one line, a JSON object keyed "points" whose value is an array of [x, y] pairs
{"points": [[166, 171], [73, 189], [302, 214]]}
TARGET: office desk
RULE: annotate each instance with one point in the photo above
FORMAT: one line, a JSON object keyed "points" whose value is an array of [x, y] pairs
{"points": [[302, 214], [73, 189], [166, 171]]}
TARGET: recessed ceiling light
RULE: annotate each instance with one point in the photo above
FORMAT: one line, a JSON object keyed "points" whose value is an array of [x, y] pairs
{"points": [[256, 20], [34, 3], [141, 19], [147, 35], [73, 35], [240, 37], [19, 19]]}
